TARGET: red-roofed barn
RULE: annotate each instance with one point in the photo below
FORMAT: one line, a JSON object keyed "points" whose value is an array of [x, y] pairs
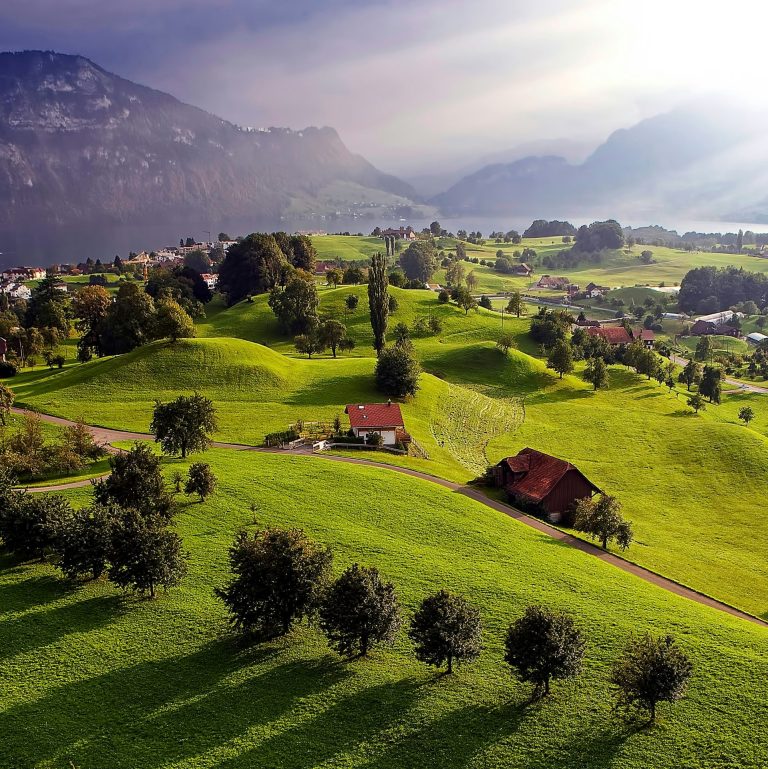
{"points": [[611, 334], [382, 418], [534, 479]]}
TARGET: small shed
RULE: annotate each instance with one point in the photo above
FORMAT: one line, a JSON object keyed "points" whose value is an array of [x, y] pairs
{"points": [[535, 479]]}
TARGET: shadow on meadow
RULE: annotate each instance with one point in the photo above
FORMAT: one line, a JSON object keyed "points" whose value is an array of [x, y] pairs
{"points": [[157, 712]]}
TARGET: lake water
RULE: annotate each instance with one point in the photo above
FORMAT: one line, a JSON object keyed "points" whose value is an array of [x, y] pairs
{"points": [[56, 245]]}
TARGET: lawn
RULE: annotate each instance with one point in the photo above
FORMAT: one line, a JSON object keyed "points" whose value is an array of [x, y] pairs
{"points": [[93, 679]]}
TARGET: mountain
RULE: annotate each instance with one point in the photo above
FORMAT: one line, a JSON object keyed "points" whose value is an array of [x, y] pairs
{"points": [[694, 161], [81, 147]]}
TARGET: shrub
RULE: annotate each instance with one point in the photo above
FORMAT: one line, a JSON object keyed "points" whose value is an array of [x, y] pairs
{"points": [[7, 369], [443, 296]]}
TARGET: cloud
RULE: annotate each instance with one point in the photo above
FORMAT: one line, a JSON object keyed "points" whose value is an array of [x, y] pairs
{"points": [[411, 84]]}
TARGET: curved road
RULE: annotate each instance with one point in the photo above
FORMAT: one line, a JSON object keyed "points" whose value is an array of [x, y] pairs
{"points": [[106, 436]]}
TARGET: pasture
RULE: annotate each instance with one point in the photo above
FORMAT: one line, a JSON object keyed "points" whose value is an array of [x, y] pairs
{"points": [[92, 678]]}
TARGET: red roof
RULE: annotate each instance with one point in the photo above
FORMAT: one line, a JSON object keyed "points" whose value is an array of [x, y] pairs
{"points": [[645, 334], [611, 334], [376, 415], [541, 473]]}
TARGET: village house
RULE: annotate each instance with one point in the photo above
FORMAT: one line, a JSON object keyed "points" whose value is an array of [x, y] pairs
{"points": [[404, 233], [534, 479], [555, 283], [19, 274], [523, 270], [433, 287], [15, 290], [384, 419], [614, 335], [210, 279], [645, 336], [593, 290], [322, 267]]}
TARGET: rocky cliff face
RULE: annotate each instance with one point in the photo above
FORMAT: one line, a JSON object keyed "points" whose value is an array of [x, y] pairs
{"points": [[80, 145]]}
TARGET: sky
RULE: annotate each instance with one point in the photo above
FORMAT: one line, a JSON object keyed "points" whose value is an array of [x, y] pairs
{"points": [[416, 86]]}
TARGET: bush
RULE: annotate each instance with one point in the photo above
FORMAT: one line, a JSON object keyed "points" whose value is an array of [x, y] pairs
{"points": [[443, 296], [375, 440], [7, 369], [281, 438]]}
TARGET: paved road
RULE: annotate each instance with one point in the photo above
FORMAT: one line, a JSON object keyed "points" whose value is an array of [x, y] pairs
{"points": [[743, 386], [106, 436]]}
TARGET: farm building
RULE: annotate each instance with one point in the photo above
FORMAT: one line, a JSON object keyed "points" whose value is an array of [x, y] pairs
{"points": [[708, 327], [593, 290], [612, 334], [547, 281], [522, 269], [382, 418], [756, 338], [644, 335], [720, 317], [533, 478]]}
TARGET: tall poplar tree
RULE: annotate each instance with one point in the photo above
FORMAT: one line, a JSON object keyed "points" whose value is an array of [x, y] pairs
{"points": [[378, 300]]}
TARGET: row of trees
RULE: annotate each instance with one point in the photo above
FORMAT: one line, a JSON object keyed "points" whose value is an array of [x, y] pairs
{"points": [[710, 289], [280, 577]]}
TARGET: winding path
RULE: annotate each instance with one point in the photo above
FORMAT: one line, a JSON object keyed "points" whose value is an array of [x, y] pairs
{"points": [[106, 436]]}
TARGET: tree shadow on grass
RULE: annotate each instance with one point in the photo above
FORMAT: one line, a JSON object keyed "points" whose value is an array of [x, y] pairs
{"points": [[362, 719], [39, 629], [35, 590], [596, 749], [158, 712]]}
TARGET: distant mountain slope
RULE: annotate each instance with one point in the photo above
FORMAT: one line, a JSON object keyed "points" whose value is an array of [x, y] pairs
{"points": [[79, 144], [696, 160]]}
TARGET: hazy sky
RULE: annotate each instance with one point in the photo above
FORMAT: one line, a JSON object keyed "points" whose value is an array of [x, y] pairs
{"points": [[415, 85]]}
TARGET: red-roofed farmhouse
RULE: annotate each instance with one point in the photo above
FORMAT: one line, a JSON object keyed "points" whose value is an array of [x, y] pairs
{"points": [[382, 418], [535, 479], [611, 334]]}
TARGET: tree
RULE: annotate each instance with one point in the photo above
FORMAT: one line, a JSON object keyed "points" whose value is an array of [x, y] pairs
{"points": [[309, 344], [130, 321], [296, 305], [397, 372], [710, 386], [740, 241], [454, 273], [402, 333], [599, 235], [346, 344], [278, 578], [359, 611], [49, 307], [198, 261], [85, 543], [333, 277], [304, 254], [332, 333], [253, 265], [446, 628], [505, 343], [184, 424], [515, 304], [596, 373], [601, 519], [145, 554], [200, 480], [696, 402], [6, 401], [352, 301], [90, 306], [472, 281], [353, 276], [561, 358], [465, 300], [746, 414], [419, 261], [378, 300], [435, 229], [30, 524], [703, 348], [172, 321], [651, 670], [135, 483], [543, 645], [691, 374]]}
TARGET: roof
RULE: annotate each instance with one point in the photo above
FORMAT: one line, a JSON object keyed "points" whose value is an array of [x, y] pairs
{"points": [[645, 334], [611, 334], [756, 336], [542, 472], [376, 415]]}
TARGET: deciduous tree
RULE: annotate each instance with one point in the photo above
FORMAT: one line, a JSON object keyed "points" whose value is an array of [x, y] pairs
{"points": [[331, 333], [446, 629], [200, 480], [184, 424], [172, 321], [278, 577], [561, 358], [359, 611], [84, 544], [296, 305], [6, 401], [397, 371], [543, 645], [596, 373], [601, 519], [651, 670], [746, 414]]}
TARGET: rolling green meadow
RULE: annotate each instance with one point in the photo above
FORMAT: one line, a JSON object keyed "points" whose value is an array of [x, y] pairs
{"points": [[97, 679], [92, 678]]}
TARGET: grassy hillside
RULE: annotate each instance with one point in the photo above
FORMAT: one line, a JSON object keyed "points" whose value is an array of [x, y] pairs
{"points": [[122, 683]]}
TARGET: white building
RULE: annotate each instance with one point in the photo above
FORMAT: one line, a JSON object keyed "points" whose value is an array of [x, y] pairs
{"points": [[756, 338], [382, 418], [719, 317]]}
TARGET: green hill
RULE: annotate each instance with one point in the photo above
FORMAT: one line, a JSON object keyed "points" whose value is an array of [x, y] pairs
{"points": [[125, 683]]}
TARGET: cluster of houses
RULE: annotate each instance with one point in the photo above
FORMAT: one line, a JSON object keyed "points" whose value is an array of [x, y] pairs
{"points": [[12, 281], [572, 290]]}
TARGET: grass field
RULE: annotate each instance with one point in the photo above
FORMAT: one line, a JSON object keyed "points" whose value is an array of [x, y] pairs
{"points": [[98, 680]]}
